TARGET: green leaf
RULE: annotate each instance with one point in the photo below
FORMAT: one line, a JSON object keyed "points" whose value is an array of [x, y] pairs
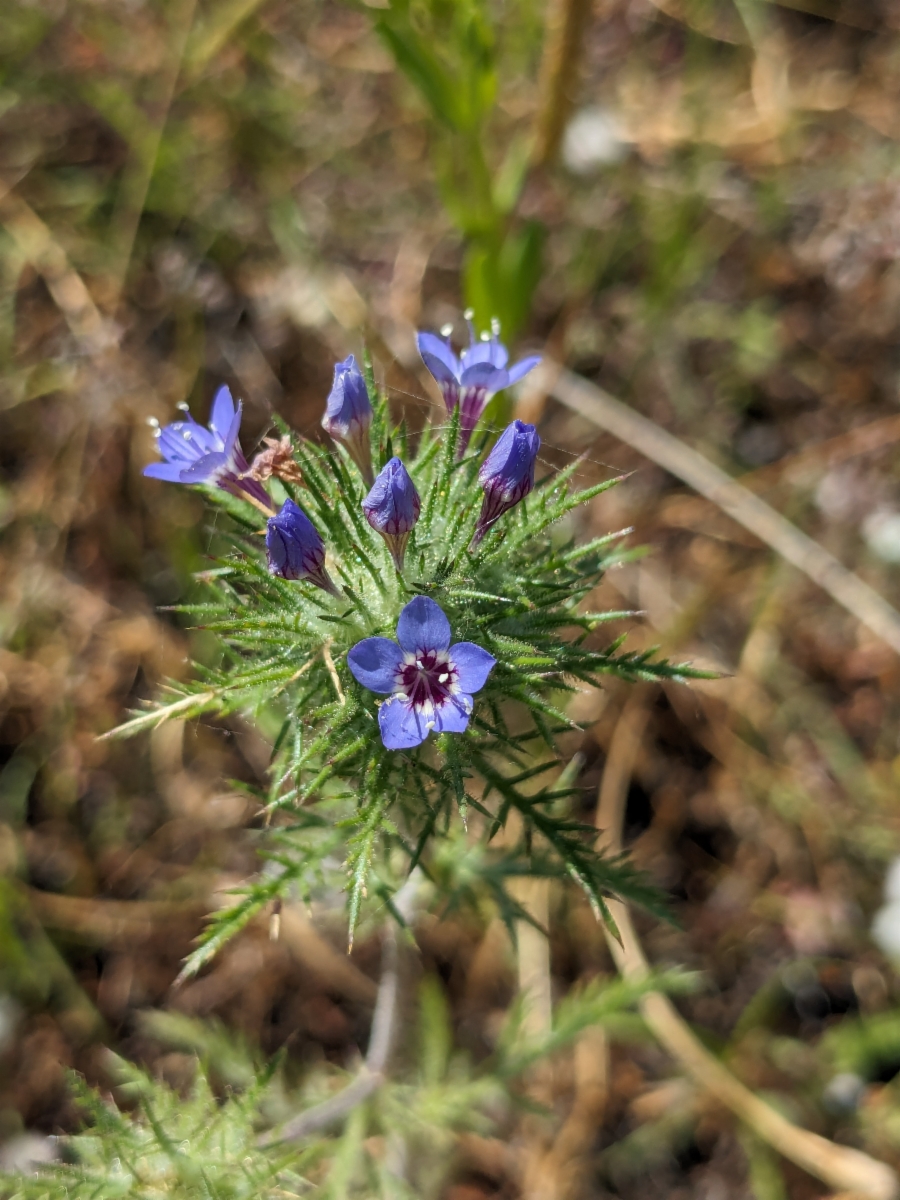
{"points": [[424, 71]]}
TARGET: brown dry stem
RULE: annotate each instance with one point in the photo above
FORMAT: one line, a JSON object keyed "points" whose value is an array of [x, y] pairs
{"points": [[687, 464], [841, 1167]]}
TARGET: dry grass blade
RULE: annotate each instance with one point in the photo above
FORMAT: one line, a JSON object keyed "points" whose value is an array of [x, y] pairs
{"points": [[213, 33], [65, 285], [840, 1167], [315, 954], [139, 172], [112, 923], [732, 497], [567, 22], [864, 439]]}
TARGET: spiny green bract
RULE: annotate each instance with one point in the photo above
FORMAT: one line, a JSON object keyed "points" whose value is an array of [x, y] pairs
{"points": [[517, 594]]}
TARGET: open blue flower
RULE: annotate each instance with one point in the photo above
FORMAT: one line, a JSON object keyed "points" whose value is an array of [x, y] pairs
{"points": [[428, 681], [507, 474], [472, 379], [194, 453], [348, 414]]}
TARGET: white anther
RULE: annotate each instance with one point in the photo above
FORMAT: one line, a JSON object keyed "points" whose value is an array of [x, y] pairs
{"points": [[401, 696], [153, 422], [469, 314], [183, 405], [495, 326], [157, 432], [447, 329], [420, 664], [443, 678], [429, 725], [186, 434]]}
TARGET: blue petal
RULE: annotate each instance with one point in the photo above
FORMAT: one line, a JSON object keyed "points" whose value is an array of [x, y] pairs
{"points": [[171, 472], [231, 433], [204, 468], [222, 413], [392, 506], [175, 447], [521, 369], [453, 715], [473, 665], [375, 662], [491, 351], [401, 726], [443, 377], [484, 375], [438, 357], [423, 626], [511, 462], [348, 403], [276, 549]]}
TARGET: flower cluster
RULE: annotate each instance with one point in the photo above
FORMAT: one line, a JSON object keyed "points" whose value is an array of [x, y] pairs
{"points": [[402, 585], [429, 682]]}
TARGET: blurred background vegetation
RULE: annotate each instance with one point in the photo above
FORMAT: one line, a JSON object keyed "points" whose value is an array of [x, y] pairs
{"points": [[693, 203]]}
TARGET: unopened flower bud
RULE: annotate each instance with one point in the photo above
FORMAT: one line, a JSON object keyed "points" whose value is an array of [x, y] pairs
{"points": [[392, 508], [348, 414], [507, 474], [294, 548]]}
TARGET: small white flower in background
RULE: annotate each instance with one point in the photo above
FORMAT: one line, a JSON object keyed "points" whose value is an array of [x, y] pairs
{"points": [[881, 529], [844, 1092], [593, 138], [886, 922]]}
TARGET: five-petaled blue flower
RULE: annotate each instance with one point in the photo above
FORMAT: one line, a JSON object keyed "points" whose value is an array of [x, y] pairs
{"points": [[193, 453], [430, 683], [294, 548], [507, 474], [472, 379], [348, 414], [392, 508]]}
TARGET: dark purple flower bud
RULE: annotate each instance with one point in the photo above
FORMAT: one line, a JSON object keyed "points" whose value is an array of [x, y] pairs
{"points": [[392, 508], [507, 474], [348, 414], [194, 453], [472, 379], [294, 548]]}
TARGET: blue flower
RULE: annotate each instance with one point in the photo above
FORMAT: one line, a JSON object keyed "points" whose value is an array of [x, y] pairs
{"points": [[472, 379], [429, 682], [392, 508], [507, 474], [294, 548], [348, 414], [194, 453]]}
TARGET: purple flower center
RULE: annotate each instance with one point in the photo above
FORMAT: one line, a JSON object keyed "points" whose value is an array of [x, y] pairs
{"points": [[428, 680]]}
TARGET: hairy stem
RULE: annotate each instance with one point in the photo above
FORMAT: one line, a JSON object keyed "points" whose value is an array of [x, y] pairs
{"points": [[407, 903]]}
